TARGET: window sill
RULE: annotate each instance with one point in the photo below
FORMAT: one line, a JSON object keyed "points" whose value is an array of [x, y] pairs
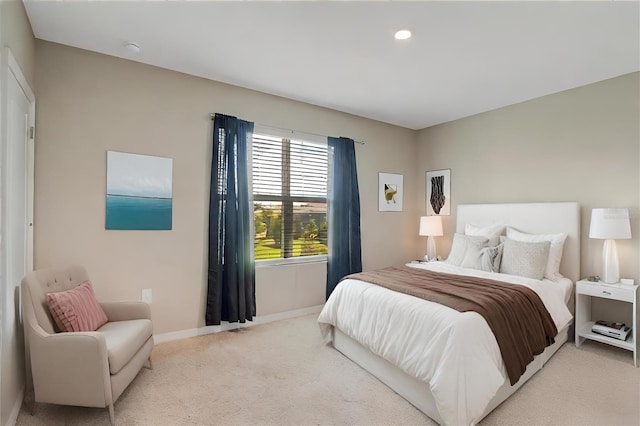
{"points": [[291, 261]]}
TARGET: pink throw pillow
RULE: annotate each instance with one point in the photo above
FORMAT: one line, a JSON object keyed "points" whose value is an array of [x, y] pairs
{"points": [[76, 309]]}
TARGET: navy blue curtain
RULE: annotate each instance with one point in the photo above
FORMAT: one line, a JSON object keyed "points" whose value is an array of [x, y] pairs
{"points": [[231, 284], [343, 211]]}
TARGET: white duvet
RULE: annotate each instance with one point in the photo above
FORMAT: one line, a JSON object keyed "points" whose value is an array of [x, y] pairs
{"points": [[454, 353]]}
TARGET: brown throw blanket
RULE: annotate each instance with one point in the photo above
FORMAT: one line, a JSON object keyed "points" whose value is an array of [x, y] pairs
{"points": [[519, 320]]}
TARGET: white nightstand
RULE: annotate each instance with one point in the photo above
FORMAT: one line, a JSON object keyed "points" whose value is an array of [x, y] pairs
{"points": [[585, 290]]}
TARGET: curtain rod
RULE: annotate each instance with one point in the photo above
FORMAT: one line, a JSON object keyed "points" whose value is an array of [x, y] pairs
{"points": [[212, 115]]}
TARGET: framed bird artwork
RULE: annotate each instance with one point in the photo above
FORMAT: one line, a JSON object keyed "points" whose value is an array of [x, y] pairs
{"points": [[390, 192]]}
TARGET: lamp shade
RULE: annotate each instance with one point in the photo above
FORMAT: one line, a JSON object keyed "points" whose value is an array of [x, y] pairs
{"points": [[610, 224], [431, 226]]}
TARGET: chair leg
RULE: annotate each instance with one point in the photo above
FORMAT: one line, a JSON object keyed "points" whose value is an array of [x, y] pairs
{"points": [[149, 364], [112, 415]]}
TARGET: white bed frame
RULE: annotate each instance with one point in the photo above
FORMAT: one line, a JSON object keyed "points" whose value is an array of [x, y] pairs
{"points": [[535, 218]]}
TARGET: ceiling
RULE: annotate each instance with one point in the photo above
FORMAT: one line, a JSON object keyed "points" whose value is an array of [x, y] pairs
{"points": [[464, 57]]}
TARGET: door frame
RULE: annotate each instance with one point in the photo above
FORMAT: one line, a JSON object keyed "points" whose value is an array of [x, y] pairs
{"points": [[9, 65], [14, 68]]}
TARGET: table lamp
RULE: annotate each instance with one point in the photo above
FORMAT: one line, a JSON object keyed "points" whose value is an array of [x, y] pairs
{"points": [[431, 226], [610, 225]]}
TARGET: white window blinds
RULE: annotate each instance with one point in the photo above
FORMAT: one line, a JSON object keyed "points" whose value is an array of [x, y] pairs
{"points": [[290, 196]]}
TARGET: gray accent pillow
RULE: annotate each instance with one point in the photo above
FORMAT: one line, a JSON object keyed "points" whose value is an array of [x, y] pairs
{"points": [[462, 245], [484, 259], [491, 258], [525, 259]]}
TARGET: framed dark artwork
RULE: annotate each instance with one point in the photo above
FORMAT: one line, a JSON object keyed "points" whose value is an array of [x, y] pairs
{"points": [[439, 192]]}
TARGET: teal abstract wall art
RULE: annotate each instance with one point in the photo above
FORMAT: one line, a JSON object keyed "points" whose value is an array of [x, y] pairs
{"points": [[139, 192]]}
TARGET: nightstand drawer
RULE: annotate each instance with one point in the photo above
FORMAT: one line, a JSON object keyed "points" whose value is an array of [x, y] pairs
{"points": [[607, 292]]}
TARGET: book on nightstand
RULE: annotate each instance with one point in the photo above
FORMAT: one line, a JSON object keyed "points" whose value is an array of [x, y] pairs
{"points": [[617, 330]]}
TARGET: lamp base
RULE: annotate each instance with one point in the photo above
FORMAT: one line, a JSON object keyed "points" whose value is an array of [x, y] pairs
{"points": [[431, 249], [610, 265]]}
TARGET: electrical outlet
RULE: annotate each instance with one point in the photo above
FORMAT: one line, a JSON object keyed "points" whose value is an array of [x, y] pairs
{"points": [[147, 295]]}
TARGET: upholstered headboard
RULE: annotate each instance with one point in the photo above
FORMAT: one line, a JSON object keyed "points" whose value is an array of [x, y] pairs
{"points": [[533, 218]]}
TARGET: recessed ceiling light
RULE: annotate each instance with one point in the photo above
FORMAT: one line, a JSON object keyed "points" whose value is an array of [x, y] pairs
{"points": [[403, 35], [132, 47]]}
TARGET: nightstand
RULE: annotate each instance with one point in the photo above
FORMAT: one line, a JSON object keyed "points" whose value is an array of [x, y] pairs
{"points": [[585, 290]]}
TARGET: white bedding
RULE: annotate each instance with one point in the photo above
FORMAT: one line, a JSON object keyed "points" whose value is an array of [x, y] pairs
{"points": [[454, 353]]}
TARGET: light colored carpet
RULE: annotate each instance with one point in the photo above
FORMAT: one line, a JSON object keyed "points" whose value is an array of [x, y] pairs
{"points": [[282, 373]]}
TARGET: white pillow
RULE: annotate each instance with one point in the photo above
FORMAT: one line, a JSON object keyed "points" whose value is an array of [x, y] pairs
{"points": [[462, 245], [492, 232], [552, 269], [526, 259]]}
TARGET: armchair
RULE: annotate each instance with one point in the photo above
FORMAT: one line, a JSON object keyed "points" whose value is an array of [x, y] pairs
{"points": [[89, 369]]}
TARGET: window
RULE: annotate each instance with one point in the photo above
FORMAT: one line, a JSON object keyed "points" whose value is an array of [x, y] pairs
{"points": [[289, 196]]}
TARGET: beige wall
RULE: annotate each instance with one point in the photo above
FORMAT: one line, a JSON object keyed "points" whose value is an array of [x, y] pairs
{"points": [[16, 34], [294, 286], [89, 103], [579, 145]]}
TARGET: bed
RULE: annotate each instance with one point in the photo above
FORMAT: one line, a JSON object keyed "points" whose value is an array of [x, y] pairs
{"points": [[452, 370]]}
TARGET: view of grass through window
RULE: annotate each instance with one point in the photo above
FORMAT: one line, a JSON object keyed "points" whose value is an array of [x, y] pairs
{"points": [[290, 197], [309, 230]]}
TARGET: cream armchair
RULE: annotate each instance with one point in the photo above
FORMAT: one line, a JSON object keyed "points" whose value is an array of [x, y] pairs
{"points": [[89, 369]]}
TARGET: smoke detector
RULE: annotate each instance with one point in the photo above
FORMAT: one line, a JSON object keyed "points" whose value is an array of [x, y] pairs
{"points": [[132, 47]]}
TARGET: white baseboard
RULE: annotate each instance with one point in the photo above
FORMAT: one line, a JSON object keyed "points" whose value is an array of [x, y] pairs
{"points": [[13, 417], [226, 326]]}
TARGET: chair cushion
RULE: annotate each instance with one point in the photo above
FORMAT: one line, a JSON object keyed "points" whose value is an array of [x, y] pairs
{"points": [[124, 339], [76, 309]]}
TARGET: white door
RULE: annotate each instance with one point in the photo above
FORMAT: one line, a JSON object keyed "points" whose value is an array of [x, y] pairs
{"points": [[17, 166], [16, 227]]}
